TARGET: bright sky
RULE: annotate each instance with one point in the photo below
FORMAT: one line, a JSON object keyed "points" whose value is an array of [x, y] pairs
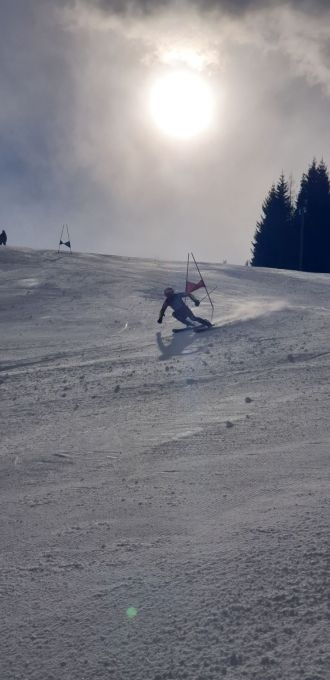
{"points": [[158, 129]]}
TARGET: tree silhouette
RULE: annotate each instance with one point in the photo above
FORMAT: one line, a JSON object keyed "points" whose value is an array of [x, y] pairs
{"points": [[274, 236], [312, 219], [299, 237]]}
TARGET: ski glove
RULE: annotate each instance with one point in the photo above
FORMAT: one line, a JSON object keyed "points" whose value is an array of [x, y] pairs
{"points": [[197, 303]]}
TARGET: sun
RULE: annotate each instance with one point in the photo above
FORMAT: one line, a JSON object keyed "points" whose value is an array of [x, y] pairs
{"points": [[182, 104]]}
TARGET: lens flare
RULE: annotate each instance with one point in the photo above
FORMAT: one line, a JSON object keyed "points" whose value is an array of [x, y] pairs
{"points": [[131, 612]]}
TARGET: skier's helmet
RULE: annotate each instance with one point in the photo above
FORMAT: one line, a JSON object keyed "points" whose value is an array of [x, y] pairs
{"points": [[168, 291]]}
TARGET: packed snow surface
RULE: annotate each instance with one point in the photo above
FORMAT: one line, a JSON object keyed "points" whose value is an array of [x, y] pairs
{"points": [[164, 498]]}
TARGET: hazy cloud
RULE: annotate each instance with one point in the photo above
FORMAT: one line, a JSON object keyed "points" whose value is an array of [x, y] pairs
{"points": [[230, 6], [77, 144]]}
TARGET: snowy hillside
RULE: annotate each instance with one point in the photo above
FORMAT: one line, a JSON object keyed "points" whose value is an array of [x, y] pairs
{"points": [[164, 498]]}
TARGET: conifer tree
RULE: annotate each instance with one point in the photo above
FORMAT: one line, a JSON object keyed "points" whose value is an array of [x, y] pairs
{"points": [[275, 230], [284, 225], [263, 241], [312, 219]]}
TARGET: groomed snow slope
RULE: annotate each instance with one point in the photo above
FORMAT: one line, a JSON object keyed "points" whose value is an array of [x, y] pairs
{"points": [[164, 499]]}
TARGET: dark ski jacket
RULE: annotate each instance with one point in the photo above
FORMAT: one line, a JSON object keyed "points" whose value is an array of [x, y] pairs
{"points": [[176, 302]]}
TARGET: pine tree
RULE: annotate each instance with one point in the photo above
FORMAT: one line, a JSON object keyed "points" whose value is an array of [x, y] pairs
{"points": [[263, 238], [284, 225], [275, 230], [312, 219]]}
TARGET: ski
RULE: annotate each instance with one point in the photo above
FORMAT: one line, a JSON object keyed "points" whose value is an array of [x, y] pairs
{"points": [[182, 330], [201, 329], [196, 329]]}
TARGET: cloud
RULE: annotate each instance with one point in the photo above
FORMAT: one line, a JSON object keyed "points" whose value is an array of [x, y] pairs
{"points": [[300, 30], [77, 144], [230, 6]]}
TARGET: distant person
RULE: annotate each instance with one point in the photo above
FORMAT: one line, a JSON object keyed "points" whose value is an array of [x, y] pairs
{"points": [[181, 311], [3, 238]]}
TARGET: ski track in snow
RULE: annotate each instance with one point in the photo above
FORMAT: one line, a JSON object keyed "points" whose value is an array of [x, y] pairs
{"points": [[164, 498]]}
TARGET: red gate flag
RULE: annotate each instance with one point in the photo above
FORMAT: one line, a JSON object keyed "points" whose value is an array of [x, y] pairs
{"points": [[190, 287]]}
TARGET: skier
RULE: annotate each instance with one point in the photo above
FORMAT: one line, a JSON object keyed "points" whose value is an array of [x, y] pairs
{"points": [[3, 238], [181, 311]]}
